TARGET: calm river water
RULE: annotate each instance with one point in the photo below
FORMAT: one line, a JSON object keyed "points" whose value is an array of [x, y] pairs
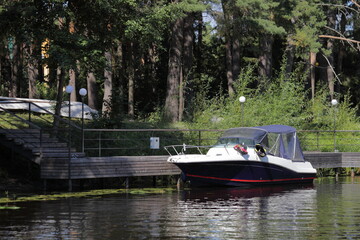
{"points": [[325, 210]]}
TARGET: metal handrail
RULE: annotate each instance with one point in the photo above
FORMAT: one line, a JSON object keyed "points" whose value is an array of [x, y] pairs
{"points": [[25, 121], [20, 118], [183, 150], [103, 142], [31, 124], [43, 109]]}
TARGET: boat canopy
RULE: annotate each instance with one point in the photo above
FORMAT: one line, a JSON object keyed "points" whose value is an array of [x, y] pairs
{"points": [[279, 140]]}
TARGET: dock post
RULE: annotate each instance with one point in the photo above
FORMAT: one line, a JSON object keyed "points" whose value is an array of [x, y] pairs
{"points": [[126, 182], [336, 174], [154, 181], [180, 184], [352, 173], [70, 185]]}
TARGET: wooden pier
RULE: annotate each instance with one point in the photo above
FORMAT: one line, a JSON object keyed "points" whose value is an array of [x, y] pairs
{"points": [[131, 166], [107, 167], [333, 159]]}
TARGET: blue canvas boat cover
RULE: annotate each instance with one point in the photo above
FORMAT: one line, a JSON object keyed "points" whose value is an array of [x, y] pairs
{"points": [[279, 140], [278, 128], [282, 141]]}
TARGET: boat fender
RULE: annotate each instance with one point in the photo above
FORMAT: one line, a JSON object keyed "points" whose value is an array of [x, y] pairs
{"points": [[260, 150], [241, 149]]}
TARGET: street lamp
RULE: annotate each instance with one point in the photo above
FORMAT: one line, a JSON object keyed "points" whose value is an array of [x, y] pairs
{"points": [[334, 102], [242, 100], [68, 90], [82, 93]]}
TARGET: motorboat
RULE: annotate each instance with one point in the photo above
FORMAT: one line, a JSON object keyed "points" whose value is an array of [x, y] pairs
{"points": [[245, 156]]}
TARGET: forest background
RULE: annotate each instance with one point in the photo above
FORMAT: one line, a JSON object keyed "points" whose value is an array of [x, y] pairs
{"points": [[188, 62]]}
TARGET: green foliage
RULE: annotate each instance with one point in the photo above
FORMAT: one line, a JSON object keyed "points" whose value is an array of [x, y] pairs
{"points": [[112, 26], [322, 114], [307, 19], [280, 101], [258, 15]]}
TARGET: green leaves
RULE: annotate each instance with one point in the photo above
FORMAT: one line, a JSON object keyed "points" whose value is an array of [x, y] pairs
{"points": [[280, 101], [307, 20]]}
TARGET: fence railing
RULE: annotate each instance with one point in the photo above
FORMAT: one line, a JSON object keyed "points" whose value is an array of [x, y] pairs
{"points": [[41, 119], [127, 142], [111, 142], [330, 140]]}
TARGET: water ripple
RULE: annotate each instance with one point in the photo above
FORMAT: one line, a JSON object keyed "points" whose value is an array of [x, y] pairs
{"points": [[324, 211]]}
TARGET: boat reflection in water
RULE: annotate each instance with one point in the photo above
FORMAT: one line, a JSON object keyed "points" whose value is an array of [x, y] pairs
{"points": [[221, 193], [269, 212]]}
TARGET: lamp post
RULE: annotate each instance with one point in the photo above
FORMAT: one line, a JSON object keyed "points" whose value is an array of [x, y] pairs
{"points": [[82, 93], [68, 90], [334, 102], [242, 99]]}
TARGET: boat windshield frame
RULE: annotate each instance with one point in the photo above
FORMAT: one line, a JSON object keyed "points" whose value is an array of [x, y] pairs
{"points": [[247, 133]]}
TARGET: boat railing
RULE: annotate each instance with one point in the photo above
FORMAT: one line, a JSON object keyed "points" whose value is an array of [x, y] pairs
{"points": [[184, 149]]}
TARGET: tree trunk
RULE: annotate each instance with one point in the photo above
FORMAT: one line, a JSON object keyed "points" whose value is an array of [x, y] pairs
{"points": [[72, 82], [118, 93], [92, 90], [32, 69], [235, 60], [131, 81], [329, 69], [265, 58], [171, 110], [341, 48], [229, 72], [312, 73], [187, 61], [199, 45], [228, 47], [106, 106], [290, 55], [59, 97], [152, 55], [15, 72], [330, 58]]}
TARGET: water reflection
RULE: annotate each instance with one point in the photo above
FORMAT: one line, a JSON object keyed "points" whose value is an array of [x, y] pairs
{"points": [[254, 213], [326, 210], [214, 194]]}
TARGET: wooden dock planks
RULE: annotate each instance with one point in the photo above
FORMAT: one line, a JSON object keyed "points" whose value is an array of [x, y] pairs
{"points": [[131, 166], [333, 159], [324, 159], [106, 167]]}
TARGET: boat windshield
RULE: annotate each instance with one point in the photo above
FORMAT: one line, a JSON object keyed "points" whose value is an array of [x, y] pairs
{"points": [[245, 135], [235, 140]]}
